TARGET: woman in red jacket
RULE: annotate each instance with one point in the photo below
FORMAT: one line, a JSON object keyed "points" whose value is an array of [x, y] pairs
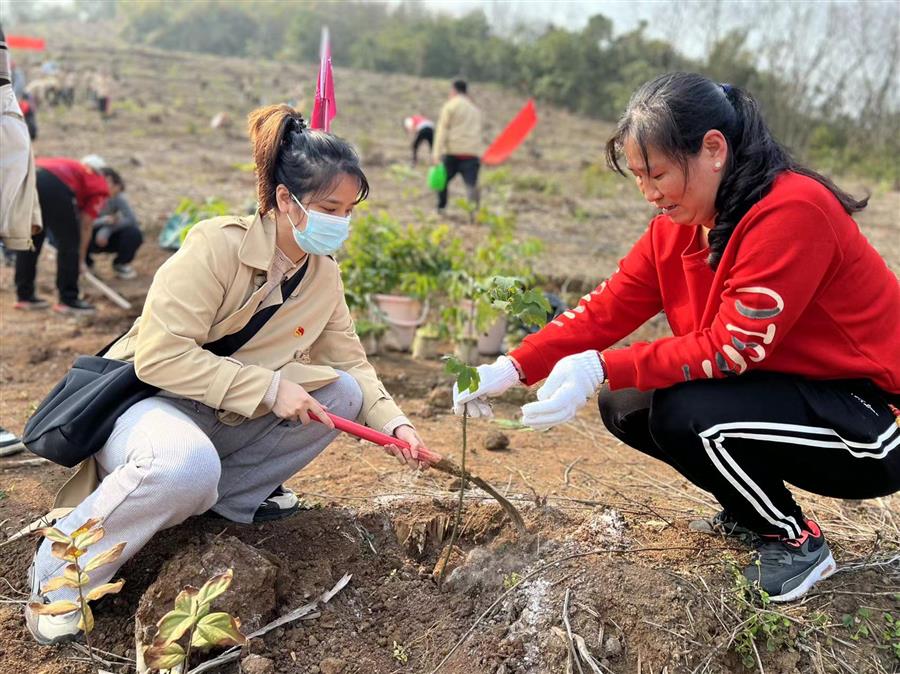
{"points": [[784, 364]]}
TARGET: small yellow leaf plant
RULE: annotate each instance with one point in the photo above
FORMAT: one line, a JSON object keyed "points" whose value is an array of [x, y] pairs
{"points": [[191, 616], [70, 548]]}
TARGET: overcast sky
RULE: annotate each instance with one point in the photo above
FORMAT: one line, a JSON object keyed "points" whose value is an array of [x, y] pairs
{"points": [[661, 15]]}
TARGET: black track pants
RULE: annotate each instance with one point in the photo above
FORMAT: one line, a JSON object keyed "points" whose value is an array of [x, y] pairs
{"points": [[741, 438], [468, 167], [424, 135], [60, 215], [124, 242]]}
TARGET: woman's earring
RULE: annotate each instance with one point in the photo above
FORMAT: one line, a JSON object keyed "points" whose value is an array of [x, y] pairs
{"points": [[717, 166]]}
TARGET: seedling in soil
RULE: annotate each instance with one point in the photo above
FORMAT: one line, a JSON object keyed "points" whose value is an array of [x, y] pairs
{"points": [[400, 654], [191, 616], [863, 625], [510, 580], [891, 633], [70, 548], [758, 622], [508, 294]]}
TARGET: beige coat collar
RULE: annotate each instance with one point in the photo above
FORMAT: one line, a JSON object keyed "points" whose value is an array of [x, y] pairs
{"points": [[258, 244]]}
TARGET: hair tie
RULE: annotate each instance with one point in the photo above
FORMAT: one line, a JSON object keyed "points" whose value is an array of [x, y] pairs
{"points": [[726, 88]]}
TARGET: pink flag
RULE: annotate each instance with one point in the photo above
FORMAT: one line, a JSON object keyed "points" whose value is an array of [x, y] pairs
{"points": [[325, 107]]}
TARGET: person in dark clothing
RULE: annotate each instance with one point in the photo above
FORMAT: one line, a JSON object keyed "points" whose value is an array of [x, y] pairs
{"points": [[70, 193], [457, 142], [422, 130], [27, 106], [116, 230]]}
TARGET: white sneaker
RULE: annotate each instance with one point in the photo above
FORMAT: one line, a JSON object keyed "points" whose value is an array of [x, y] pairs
{"points": [[124, 271], [48, 630], [9, 443]]}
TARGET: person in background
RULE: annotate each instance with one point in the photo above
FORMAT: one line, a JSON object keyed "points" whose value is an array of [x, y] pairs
{"points": [[30, 115], [116, 230], [223, 433], [71, 194], [784, 364], [457, 142], [102, 86], [422, 131], [20, 214]]}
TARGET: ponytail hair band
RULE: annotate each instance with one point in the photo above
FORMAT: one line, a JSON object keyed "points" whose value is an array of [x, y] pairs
{"points": [[726, 88]]}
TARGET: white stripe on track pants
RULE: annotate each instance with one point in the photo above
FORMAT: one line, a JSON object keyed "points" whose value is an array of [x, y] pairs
{"points": [[741, 438]]}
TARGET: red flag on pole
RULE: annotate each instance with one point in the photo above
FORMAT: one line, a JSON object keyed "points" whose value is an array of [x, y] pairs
{"points": [[24, 42], [325, 106], [512, 136]]}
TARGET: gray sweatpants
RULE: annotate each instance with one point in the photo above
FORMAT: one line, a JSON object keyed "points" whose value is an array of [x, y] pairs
{"points": [[170, 458]]}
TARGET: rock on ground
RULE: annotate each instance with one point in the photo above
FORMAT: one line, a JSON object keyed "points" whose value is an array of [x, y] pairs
{"points": [[256, 664], [251, 597]]}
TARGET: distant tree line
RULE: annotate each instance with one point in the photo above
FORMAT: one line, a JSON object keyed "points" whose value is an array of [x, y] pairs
{"points": [[591, 71]]}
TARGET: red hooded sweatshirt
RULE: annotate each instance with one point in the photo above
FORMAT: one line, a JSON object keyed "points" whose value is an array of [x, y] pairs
{"points": [[799, 290]]}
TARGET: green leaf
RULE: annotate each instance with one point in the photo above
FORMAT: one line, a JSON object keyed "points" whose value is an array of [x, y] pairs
{"points": [[187, 599], [467, 378], [212, 589], [217, 629], [175, 623], [510, 424], [164, 656]]}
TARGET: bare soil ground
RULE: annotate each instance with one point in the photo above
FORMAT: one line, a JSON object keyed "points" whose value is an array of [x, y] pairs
{"points": [[646, 593]]}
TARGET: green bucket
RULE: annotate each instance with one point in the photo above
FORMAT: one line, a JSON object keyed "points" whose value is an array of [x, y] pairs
{"points": [[437, 177]]}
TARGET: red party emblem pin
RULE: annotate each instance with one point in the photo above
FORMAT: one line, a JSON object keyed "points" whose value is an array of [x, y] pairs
{"points": [[299, 331]]}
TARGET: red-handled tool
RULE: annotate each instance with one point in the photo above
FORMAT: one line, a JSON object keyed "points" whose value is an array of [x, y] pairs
{"points": [[370, 434]]}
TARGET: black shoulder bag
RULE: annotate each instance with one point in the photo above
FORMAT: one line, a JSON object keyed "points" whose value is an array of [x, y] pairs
{"points": [[77, 417]]}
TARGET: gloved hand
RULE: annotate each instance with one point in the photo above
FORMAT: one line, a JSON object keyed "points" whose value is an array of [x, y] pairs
{"points": [[494, 380], [572, 381]]}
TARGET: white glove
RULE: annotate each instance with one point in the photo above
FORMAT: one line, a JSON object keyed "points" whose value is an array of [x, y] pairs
{"points": [[572, 381], [494, 379]]}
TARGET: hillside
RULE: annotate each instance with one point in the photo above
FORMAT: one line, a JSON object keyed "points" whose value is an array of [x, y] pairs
{"points": [[648, 594]]}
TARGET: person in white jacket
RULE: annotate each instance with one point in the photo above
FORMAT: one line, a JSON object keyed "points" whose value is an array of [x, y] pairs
{"points": [[20, 213]]}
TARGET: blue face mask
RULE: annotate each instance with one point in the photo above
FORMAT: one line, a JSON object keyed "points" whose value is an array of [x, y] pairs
{"points": [[324, 233]]}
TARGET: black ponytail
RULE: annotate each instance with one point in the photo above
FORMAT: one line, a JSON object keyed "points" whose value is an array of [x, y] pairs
{"points": [[673, 113], [307, 162]]}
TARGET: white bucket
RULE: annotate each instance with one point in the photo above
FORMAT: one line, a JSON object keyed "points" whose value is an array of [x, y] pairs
{"points": [[402, 315]]}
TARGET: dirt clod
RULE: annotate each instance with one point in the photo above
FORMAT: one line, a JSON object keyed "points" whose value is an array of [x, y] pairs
{"points": [[496, 441], [256, 664], [613, 647], [251, 596], [332, 666], [441, 399]]}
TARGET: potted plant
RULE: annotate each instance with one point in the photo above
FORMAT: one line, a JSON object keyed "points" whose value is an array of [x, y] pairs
{"points": [[370, 334], [427, 342], [391, 270], [473, 316]]}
